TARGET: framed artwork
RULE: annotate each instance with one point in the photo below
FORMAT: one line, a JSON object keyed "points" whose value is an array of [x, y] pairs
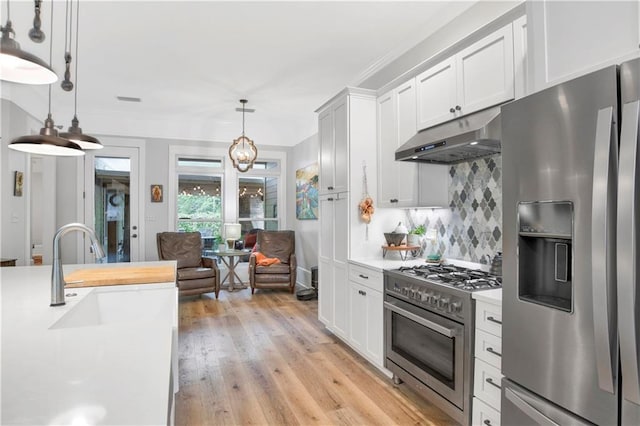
{"points": [[307, 192], [156, 193], [17, 184]]}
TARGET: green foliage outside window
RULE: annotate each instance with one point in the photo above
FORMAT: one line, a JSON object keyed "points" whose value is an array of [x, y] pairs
{"points": [[194, 209]]}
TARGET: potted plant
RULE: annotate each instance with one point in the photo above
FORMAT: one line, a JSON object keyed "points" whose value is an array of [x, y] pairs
{"points": [[415, 235]]}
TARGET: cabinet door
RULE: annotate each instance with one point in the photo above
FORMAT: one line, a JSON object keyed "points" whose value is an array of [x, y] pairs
{"points": [[406, 172], [436, 92], [358, 314], [568, 39], [340, 257], [325, 135], [325, 254], [521, 82], [341, 300], [375, 326], [485, 72], [341, 145], [387, 143], [325, 292]]}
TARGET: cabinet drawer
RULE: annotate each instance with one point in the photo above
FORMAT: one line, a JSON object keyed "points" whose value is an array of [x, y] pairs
{"points": [[484, 415], [489, 348], [487, 383], [365, 276], [489, 317]]}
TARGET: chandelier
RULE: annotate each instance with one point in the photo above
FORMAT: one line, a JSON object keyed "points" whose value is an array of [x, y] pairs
{"points": [[243, 152]]}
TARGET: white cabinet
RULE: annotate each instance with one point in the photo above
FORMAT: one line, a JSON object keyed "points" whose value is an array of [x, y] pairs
{"points": [[366, 333], [568, 39], [520, 58], [346, 126], [488, 362], [397, 180], [333, 309], [334, 147], [477, 77], [402, 183], [437, 97]]}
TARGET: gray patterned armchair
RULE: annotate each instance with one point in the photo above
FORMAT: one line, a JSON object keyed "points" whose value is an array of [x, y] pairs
{"points": [[281, 245], [194, 274]]}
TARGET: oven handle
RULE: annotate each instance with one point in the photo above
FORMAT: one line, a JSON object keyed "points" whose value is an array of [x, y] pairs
{"points": [[422, 321]]}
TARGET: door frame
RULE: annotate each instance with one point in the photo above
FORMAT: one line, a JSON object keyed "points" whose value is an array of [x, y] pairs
{"points": [[84, 168]]}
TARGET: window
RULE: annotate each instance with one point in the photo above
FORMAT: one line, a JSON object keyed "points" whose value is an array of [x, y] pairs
{"points": [[199, 203], [258, 197]]}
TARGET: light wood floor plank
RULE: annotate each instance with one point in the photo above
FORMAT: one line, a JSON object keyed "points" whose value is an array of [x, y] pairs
{"points": [[265, 359]]}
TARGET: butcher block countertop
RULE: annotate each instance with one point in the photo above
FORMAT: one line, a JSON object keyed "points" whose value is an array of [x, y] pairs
{"points": [[101, 276]]}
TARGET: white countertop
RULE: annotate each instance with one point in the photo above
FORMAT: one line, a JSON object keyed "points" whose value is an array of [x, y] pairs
{"points": [[117, 373], [380, 264], [492, 296]]}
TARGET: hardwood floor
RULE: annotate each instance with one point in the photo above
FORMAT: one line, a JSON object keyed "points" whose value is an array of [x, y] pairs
{"points": [[266, 359]]}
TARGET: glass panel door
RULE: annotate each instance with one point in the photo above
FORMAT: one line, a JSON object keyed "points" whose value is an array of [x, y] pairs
{"points": [[112, 202]]}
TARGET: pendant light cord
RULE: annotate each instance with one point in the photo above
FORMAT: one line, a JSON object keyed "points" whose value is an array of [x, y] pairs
{"points": [[243, 137], [8, 10], [51, 53], [75, 92]]}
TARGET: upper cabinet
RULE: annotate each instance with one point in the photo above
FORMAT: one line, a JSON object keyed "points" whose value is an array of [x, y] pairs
{"points": [[521, 85], [333, 135], [476, 78], [397, 180], [568, 39]]}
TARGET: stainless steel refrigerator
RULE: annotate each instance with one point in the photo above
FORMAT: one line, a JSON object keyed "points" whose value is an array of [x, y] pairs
{"points": [[571, 209]]}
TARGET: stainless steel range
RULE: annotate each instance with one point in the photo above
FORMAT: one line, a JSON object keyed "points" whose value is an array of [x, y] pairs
{"points": [[429, 320]]}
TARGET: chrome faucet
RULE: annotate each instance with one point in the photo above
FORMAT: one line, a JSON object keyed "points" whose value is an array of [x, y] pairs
{"points": [[57, 277]]}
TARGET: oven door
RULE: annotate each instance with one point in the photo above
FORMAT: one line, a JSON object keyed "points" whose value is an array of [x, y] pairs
{"points": [[428, 346]]}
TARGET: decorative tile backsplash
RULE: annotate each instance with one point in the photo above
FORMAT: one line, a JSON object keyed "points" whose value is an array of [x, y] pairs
{"points": [[471, 228]]}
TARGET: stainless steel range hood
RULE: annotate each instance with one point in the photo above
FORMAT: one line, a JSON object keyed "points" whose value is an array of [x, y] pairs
{"points": [[472, 136]]}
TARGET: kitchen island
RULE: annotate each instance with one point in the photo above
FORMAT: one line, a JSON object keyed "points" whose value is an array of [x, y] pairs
{"points": [[105, 357]]}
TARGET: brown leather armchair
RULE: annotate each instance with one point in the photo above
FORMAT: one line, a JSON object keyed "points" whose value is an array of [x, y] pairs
{"points": [[280, 244], [194, 274]]}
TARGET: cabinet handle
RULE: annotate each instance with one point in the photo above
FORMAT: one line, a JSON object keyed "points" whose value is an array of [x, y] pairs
{"points": [[393, 200], [458, 108], [363, 276], [329, 199], [492, 351], [491, 382], [492, 319], [363, 293], [330, 188], [487, 422], [451, 110]]}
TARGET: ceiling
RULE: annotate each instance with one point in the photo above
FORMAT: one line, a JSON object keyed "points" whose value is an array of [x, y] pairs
{"points": [[190, 62]]}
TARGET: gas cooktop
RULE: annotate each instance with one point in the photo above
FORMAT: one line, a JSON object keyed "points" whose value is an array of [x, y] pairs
{"points": [[453, 276]]}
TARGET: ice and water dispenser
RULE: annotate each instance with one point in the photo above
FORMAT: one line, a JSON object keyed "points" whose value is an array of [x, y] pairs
{"points": [[545, 236]]}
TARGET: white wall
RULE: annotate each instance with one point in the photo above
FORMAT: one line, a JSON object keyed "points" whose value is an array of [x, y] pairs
{"points": [[13, 211], [302, 155]]}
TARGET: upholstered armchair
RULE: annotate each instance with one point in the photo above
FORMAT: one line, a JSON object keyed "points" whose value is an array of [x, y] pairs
{"points": [[274, 244], [194, 274]]}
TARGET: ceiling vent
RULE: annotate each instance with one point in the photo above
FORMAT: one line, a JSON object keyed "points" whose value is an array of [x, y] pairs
{"points": [[128, 99]]}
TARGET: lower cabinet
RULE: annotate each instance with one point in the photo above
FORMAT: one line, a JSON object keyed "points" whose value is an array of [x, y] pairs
{"points": [[487, 364], [366, 320]]}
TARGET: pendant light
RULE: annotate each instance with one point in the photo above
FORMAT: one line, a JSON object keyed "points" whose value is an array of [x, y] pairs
{"points": [[243, 152], [35, 34], [19, 66], [74, 134], [47, 142]]}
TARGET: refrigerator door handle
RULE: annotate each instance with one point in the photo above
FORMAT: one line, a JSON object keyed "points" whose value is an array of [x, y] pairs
{"points": [[527, 409], [627, 230], [602, 243]]}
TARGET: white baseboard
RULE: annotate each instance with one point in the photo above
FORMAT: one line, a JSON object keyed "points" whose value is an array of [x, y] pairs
{"points": [[303, 277]]}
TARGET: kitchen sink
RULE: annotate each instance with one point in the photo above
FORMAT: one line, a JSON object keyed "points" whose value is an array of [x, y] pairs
{"points": [[106, 306]]}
